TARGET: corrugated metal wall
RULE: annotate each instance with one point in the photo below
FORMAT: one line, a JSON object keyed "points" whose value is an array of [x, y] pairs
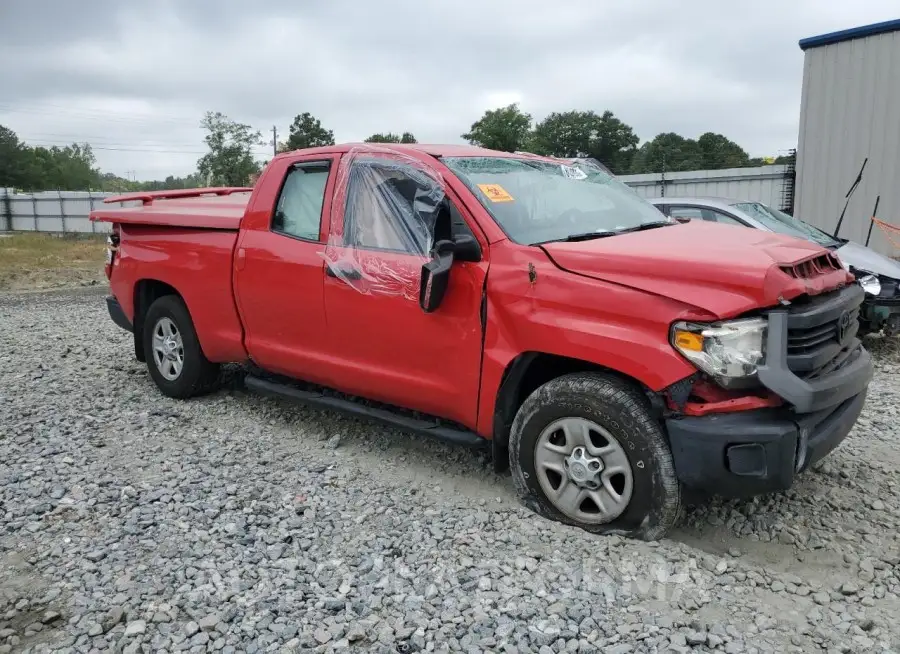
{"points": [[52, 211], [763, 184], [850, 110]]}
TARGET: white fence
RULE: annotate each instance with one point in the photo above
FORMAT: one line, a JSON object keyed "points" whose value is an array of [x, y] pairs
{"points": [[52, 211], [67, 211], [764, 184]]}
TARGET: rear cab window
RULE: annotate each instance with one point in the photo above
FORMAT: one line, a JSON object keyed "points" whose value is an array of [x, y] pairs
{"points": [[298, 212]]}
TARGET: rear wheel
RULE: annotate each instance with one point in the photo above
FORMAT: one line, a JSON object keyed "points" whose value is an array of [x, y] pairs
{"points": [[172, 351], [586, 451]]}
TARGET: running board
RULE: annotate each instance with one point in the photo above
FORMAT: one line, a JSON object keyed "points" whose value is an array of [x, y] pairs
{"points": [[322, 401]]}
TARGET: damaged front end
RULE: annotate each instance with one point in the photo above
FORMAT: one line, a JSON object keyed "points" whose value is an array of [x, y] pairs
{"points": [[773, 394]]}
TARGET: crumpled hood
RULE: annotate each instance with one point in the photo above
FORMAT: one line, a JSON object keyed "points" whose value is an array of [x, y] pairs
{"points": [[862, 258], [722, 269]]}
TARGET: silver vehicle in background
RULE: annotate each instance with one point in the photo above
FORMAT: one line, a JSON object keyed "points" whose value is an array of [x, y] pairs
{"points": [[877, 274]]}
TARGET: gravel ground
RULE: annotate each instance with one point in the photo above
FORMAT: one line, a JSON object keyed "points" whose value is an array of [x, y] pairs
{"points": [[131, 522]]}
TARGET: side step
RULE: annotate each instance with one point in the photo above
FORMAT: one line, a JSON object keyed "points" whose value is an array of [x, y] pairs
{"points": [[400, 421]]}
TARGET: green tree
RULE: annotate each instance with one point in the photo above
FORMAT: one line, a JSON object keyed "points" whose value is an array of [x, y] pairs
{"points": [[719, 152], [566, 134], [307, 132], [390, 137], [586, 134], [667, 152], [504, 129], [229, 161], [13, 156], [615, 143]]}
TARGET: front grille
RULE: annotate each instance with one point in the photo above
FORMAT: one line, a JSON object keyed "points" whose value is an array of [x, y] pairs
{"points": [[844, 358], [822, 331], [815, 267]]}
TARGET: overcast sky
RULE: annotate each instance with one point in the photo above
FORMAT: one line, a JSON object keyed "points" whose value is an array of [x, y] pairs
{"points": [[133, 79]]}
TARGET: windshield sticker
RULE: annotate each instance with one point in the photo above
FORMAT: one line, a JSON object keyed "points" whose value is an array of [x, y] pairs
{"points": [[572, 172], [495, 193]]}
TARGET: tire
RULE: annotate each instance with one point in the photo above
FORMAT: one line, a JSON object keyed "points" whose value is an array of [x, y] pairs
{"points": [[615, 417], [196, 375]]}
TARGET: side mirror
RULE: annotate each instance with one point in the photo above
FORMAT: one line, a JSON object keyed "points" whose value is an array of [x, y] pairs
{"points": [[682, 219], [466, 248], [436, 276]]}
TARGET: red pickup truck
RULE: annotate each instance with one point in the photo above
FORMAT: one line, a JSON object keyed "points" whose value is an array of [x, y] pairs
{"points": [[612, 357]]}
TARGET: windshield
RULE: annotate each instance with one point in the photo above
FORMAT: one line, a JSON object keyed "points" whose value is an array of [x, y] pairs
{"points": [[783, 223], [537, 201]]}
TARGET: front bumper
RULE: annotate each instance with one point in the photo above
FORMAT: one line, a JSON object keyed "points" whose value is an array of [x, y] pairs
{"points": [[117, 314], [754, 452]]}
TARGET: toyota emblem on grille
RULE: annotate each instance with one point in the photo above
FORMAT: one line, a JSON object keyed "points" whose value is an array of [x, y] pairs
{"points": [[843, 326]]}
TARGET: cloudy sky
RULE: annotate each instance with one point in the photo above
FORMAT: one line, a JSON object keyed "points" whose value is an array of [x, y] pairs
{"points": [[134, 78]]}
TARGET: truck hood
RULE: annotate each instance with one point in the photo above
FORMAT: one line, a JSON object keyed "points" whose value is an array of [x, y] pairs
{"points": [[864, 259], [718, 268]]}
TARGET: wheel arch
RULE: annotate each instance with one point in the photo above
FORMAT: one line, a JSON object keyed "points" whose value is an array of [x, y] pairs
{"points": [[146, 292], [528, 371]]}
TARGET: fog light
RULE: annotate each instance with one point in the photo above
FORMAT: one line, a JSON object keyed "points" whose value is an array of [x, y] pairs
{"points": [[748, 460]]}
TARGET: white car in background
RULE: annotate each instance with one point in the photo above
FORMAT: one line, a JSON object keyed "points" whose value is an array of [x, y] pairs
{"points": [[877, 274]]}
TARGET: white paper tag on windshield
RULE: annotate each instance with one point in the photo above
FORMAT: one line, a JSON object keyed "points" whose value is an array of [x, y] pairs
{"points": [[572, 172]]}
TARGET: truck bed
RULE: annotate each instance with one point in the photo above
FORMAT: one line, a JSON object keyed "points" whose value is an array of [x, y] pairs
{"points": [[205, 208], [184, 240]]}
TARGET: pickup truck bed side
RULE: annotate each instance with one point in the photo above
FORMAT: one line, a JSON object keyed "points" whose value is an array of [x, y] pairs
{"points": [[197, 263]]}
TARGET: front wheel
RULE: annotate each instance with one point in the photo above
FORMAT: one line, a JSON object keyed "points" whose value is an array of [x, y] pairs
{"points": [[172, 351], [585, 450]]}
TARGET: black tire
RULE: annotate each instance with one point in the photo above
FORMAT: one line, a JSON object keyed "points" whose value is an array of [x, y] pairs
{"points": [[198, 375], [624, 412]]}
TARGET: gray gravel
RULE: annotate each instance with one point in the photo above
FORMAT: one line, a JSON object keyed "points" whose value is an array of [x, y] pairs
{"points": [[134, 523]]}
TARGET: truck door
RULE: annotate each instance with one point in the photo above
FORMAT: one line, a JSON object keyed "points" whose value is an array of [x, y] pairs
{"points": [[279, 265], [382, 345]]}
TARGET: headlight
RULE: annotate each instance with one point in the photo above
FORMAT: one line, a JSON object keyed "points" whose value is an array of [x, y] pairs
{"points": [[869, 283], [728, 351]]}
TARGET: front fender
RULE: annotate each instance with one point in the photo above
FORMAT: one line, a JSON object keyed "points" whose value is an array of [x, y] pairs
{"points": [[610, 326]]}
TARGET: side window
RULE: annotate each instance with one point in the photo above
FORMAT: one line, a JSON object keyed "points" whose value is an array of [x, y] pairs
{"points": [[686, 212], [298, 212], [719, 217], [390, 207]]}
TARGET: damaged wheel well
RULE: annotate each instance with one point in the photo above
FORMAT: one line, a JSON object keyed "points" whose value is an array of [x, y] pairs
{"points": [[524, 375]]}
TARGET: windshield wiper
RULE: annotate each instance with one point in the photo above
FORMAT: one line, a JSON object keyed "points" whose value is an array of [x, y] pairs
{"points": [[584, 236], [587, 236], [643, 226], [603, 233]]}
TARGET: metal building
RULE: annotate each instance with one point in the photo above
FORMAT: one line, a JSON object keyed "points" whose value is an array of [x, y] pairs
{"points": [[850, 113]]}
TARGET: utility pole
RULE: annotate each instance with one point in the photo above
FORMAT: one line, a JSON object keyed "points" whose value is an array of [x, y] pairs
{"points": [[274, 140], [662, 178]]}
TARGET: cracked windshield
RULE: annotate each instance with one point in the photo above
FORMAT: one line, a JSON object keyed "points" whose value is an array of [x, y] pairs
{"points": [[538, 201]]}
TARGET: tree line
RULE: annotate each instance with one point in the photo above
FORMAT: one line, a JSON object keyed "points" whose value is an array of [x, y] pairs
{"points": [[230, 159]]}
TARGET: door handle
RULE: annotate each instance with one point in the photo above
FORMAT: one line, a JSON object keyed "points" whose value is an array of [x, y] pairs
{"points": [[342, 273]]}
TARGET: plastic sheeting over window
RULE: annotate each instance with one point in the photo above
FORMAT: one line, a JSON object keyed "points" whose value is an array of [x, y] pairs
{"points": [[384, 213]]}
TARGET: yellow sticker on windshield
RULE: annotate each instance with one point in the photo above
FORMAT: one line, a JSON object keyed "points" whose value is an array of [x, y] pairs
{"points": [[495, 193]]}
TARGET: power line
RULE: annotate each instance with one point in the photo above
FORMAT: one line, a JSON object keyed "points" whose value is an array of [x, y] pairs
{"points": [[113, 117]]}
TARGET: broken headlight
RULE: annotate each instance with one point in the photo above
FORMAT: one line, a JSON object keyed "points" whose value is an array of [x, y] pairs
{"points": [[870, 283], [728, 351]]}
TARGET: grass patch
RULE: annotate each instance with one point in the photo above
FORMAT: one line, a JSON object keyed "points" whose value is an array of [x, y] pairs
{"points": [[38, 261]]}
